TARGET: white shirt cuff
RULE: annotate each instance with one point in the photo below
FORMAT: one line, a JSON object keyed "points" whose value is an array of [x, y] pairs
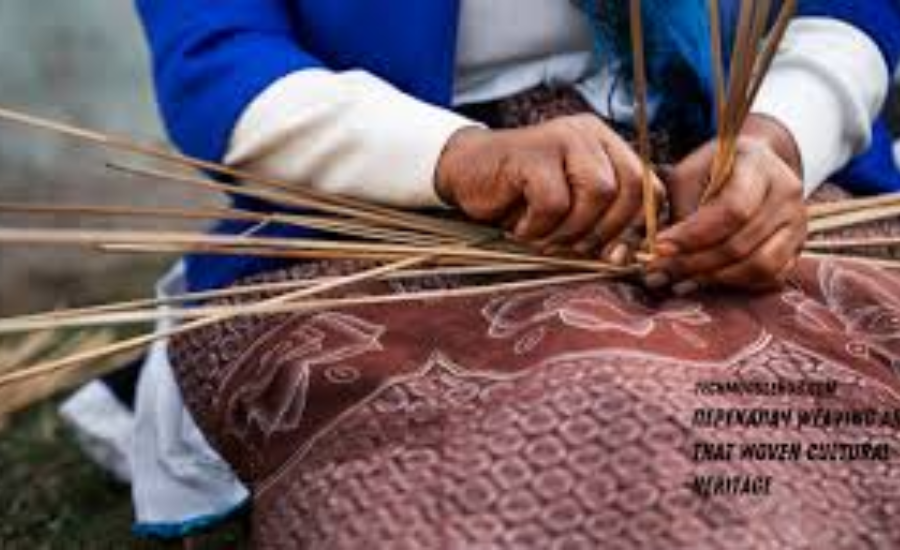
{"points": [[827, 85], [346, 133]]}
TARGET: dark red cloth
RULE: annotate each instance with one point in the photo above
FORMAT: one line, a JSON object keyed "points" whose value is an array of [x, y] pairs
{"points": [[561, 416], [554, 418]]}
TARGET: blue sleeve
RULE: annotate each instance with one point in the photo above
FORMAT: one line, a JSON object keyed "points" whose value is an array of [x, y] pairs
{"points": [[211, 58], [879, 19]]}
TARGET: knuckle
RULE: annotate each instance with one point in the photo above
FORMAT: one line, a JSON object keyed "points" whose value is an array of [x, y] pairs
{"points": [[591, 193], [583, 120], [794, 188], [764, 267], [553, 206], [736, 213], [736, 248], [562, 129], [586, 182], [606, 191]]}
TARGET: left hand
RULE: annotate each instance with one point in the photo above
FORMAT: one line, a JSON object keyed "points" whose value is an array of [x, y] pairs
{"points": [[748, 236]]}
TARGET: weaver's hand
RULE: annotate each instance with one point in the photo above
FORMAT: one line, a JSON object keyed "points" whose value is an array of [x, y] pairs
{"points": [[749, 235], [571, 183]]}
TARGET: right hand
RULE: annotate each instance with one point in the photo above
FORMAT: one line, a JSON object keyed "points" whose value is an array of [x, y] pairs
{"points": [[569, 183]]}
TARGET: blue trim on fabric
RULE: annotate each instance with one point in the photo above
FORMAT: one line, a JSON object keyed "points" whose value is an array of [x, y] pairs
{"points": [[177, 530]]}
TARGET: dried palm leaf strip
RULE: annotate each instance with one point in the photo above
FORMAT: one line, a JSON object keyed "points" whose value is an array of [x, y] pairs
{"points": [[124, 318], [25, 350], [848, 206], [302, 196], [466, 231], [751, 61], [271, 288], [848, 244], [853, 218], [288, 248], [20, 396], [77, 360], [642, 120], [742, 59], [718, 61], [773, 42], [322, 223]]}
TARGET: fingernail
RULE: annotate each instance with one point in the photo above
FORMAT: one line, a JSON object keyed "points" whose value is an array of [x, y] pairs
{"points": [[666, 249], [656, 280], [619, 254], [686, 288]]}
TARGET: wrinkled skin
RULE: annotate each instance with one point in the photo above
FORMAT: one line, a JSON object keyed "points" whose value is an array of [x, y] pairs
{"points": [[749, 235], [569, 183], [574, 184]]}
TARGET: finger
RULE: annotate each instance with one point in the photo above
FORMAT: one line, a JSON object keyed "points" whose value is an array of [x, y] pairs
{"points": [[548, 202], [740, 201], [628, 205], [764, 269], [772, 217], [592, 184], [512, 218], [790, 269], [622, 251], [687, 181]]}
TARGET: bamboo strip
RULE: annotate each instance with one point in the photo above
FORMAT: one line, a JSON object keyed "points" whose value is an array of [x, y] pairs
{"points": [[299, 248], [776, 36], [651, 208], [152, 316], [309, 198], [180, 249], [863, 243], [24, 351], [835, 208], [723, 159], [718, 59], [473, 258], [271, 288], [852, 219], [321, 223], [22, 395], [61, 365], [457, 231]]}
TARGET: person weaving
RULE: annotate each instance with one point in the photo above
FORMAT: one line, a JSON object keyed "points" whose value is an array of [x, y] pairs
{"points": [[516, 114], [342, 100]]}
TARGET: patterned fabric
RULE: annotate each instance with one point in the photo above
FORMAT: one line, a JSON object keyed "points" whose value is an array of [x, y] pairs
{"points": [[555, 418], [543, 104]]}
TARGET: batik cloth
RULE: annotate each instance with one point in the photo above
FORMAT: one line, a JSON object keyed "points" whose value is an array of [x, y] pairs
{"points": [[561, 417]]}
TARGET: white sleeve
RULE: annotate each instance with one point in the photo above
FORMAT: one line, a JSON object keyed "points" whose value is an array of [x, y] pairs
{"points": [[827, 85], [347, 133]]}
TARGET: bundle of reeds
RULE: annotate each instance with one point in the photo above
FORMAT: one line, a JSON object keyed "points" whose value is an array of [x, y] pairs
{"points": [[399, 244]]}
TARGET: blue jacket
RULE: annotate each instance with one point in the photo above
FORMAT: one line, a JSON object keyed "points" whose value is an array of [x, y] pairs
{"points": [[211, 58]]}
